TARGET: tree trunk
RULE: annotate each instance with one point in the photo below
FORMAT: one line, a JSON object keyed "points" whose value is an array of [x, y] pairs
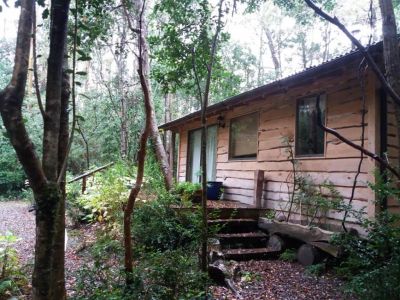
{"points": [[274, 54], [203, 154], [159, 147], [391, 56], [143, 70], [48, 274], [48, 280], [161, 154]]}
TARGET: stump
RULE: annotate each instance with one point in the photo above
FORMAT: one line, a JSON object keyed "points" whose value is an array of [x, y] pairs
{"points": [[308, 255], [276, 243]]}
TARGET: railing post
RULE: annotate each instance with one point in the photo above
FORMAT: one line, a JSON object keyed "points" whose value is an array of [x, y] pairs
{"points": [[258, 187]]}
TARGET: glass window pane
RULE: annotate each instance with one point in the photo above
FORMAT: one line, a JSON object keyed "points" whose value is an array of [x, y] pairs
{"points": [[243, 141], [310, 138]]}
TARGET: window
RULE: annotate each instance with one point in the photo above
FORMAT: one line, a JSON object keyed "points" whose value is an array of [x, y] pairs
{"points": [[243, 139], [310, 137]]}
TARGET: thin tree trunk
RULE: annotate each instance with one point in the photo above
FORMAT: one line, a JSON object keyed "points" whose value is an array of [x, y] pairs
{"points": [[273, 51], [203, 154], [391, 57], [143, 69], [161, 154]]}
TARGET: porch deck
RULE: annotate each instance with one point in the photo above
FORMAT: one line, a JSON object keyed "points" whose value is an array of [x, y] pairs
{"points": [[226, 209]]}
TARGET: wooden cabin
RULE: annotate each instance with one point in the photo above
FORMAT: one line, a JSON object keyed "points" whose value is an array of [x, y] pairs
{"points": [[246, 137]]}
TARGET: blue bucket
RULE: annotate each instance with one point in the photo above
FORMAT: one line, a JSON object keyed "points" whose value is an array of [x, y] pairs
{"points": [[214, 190]]}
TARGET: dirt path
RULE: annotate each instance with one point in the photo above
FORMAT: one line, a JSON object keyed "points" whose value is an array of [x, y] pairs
{"points": [[15, 217], [280, 280]]}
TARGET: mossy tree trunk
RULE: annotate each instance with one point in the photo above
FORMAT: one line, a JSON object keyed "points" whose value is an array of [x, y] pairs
{"points": [[46, 177]]}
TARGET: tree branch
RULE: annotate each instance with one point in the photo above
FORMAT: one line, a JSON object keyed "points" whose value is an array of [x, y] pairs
{"points": [[51, 132], [11, 99], [35, 73], [73, 94], [368, 153], [371, 62], [361, 78]]}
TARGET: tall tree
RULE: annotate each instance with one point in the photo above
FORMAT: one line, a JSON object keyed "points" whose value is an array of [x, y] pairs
{"points": [[46, 176], [391, 56], [160, 152]]}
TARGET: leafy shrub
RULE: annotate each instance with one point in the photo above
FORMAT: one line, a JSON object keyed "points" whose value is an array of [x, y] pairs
{"points": [[102, 278], [104, 198], [186, 191], [316, 201], [172, 274], [316, 270], [288, 255], [158, 226], [372, 264], [11, 174], [12, 279]]}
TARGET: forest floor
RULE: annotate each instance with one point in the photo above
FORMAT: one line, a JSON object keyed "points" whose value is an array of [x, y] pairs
{"points": [[272, 279]]}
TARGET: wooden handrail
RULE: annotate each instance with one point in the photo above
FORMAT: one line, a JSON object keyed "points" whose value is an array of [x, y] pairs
{"points": [[90, 172]]}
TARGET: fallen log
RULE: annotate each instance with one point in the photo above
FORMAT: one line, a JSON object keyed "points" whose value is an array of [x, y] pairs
{"points": [[276, 243], [314, 236], [308, 255]]}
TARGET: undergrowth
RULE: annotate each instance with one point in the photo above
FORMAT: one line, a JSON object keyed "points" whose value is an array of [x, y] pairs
{"points": [[166, 243], [12, 279], [372, 263]]}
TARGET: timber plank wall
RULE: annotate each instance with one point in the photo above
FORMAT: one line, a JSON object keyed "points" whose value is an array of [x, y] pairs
{"points": [[277, 119], [393, 149]]}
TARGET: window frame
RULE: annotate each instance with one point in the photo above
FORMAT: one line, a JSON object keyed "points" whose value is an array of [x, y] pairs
{"points": [[252, 158], [323, 154]]}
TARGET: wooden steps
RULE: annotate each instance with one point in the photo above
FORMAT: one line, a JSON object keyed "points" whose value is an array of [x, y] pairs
{"points": [[240, 239], [234, 225], [248, 254]]}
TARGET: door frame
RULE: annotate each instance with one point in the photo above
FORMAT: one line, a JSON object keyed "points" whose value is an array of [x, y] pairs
{"points": [[188, 156]]}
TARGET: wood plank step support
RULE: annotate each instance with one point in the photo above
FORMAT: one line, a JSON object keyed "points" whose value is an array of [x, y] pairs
{"points": [[248, 254], [234, 225], [242, 240]]}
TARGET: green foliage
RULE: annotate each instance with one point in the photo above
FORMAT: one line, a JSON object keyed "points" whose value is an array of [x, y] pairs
{"points": [[289, 255], [372, 264], [299, 9], [172, 274], [311, 199], [5, 62], [102, 279], [104, 197], [158, 227], [316, 201], [247, 276], [166, 266], [12, 279], [316, 270], [11, 174], [187, 191], [182, 49]]}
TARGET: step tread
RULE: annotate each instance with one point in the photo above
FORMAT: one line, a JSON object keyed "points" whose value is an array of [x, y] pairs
{"points": [[247, 251], [232, 221], [242, 235]]}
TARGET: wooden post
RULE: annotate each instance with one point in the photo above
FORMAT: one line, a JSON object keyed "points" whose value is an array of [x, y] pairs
{"points": [[172, 154], [258, 187], [83, 184]]}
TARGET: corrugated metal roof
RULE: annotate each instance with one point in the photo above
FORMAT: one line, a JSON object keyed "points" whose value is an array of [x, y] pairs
{"points": [[269, 87]]}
